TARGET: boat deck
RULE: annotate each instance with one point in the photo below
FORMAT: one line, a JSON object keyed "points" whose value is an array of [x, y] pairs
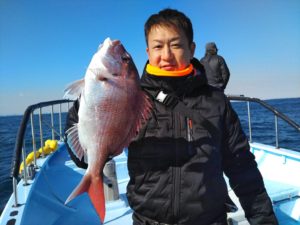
{"points": [[50, 190], [282, 187]]}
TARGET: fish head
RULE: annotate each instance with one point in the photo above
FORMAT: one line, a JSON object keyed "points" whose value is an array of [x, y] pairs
{"points": [[112, 61]]}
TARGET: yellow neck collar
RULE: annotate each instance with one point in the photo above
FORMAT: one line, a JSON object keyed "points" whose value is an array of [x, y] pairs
{"points": [[159, 72]]}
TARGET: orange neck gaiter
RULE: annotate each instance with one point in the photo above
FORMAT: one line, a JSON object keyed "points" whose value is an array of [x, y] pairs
{"points": [[159, 72]]}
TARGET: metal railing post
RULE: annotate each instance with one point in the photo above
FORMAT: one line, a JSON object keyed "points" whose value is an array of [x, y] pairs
{"points": [[276, 132], [15, 182], [25, 164], [41, 132], [110, 182], [249, 122], [52, 123], [33, 138], [60, 124]]}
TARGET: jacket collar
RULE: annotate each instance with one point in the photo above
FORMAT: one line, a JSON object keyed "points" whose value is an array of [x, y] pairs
{"points": [[176, 85]]}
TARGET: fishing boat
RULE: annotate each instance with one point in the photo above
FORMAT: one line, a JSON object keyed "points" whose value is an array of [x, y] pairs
{"points": [[48, 175]]}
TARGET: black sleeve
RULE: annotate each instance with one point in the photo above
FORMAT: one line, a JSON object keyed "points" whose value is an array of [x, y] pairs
{"points": [[72, 118], [244, 177], [224, 71]]}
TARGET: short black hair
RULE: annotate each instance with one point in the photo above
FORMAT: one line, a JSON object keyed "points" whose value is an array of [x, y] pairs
{"points": [[171, 18]]}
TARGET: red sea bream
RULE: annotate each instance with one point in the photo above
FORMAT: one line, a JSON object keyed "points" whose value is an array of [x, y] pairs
{"points": [[112, 106]]}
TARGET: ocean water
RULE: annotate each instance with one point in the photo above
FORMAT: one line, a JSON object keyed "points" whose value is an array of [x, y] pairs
{"points": [[262, 122]]}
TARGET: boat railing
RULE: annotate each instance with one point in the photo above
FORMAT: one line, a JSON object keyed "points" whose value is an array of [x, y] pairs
{"points": [[40, 109], [276, 113]]}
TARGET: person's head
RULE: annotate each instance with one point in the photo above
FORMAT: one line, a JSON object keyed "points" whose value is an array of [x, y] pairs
{"points": [[169, 40], [211, 48]]}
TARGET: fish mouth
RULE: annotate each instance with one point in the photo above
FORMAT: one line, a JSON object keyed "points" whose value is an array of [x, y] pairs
{"points": [[111, 43], [115, 42], [108, 41], [114, 49]]}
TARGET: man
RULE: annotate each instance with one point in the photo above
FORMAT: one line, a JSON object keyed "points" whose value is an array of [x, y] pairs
{"points": [[217, 72], [176, 163], [177, 160]]}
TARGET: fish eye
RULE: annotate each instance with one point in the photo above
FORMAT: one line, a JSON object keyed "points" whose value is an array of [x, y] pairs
{"points": [[125, 58]]}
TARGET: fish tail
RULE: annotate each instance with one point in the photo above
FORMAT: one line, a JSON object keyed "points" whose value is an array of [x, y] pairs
{"points": [[96, 194], [94, 188]]}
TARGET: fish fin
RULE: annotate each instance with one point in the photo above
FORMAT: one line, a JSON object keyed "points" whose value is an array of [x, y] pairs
{"points": [[73, 142], [144, 112], [94, 188], [74, 90], [144, 106], [96, 194]]}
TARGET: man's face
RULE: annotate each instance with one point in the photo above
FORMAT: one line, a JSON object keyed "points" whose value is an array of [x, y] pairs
{"points": [[168, 49]]}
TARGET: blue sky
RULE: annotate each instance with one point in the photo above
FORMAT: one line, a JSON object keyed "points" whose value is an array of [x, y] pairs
{"points": [[45, 45]]}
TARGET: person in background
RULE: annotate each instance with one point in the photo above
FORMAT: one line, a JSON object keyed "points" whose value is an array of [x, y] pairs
{"points": [[177, 160], [216, 70]]}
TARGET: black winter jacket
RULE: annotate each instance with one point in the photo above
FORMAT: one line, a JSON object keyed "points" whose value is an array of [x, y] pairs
{"points": [[216, 70], [176, 164]]}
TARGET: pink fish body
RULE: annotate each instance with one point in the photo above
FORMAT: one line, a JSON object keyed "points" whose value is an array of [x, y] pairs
{"points": [[112, 106]]}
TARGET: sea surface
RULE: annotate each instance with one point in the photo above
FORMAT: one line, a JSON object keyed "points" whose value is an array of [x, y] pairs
{"points": [[262, 123]]}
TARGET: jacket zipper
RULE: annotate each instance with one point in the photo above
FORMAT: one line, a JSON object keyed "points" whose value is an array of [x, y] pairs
{"points": [[177, 169], [189, 128], [189, 131]]}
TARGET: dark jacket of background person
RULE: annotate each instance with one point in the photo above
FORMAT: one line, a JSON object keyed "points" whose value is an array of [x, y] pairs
{"points": [[215, 66]]}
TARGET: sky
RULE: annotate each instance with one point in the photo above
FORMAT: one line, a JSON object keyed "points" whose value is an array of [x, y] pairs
{"points": [[46, 45]]}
